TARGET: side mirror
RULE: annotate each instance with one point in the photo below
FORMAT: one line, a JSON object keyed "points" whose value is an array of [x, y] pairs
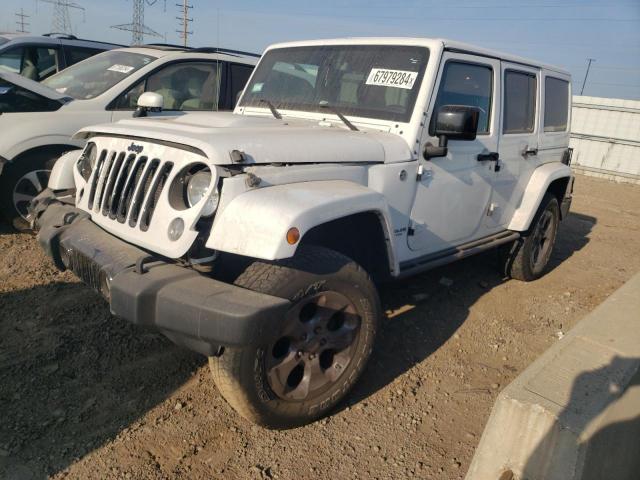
{"points": [[452, 122], [149, 102]]}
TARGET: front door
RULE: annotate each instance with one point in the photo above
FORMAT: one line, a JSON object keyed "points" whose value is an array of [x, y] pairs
{"points": [[454, 192]]}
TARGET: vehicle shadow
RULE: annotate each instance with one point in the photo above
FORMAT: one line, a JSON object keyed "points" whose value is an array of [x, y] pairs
{"points": [[425, 311], [73, 376]]}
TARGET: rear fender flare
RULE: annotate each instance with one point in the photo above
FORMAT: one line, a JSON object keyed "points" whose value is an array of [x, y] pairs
{"points": [[538, 185]]}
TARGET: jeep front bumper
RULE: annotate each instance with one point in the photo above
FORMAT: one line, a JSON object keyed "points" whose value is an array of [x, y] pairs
{"points": [[191, 309]]}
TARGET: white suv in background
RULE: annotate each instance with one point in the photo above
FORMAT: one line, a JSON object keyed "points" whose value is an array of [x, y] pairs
{"points": [[37, 120]]}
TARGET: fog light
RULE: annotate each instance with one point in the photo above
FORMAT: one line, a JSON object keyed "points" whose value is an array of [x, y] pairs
{"points": [[176, 229]]}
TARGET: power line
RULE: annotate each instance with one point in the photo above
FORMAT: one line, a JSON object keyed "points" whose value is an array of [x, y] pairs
{"points": [[184, 21], [61, 18], [137, 26], [21, 21], [586, 75]]}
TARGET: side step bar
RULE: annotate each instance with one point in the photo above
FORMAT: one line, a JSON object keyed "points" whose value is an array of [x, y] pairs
{"points": [[437, 259]]}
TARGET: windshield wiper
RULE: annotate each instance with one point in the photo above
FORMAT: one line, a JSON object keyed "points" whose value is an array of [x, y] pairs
{"points": [[273, 109], [334, 110]]}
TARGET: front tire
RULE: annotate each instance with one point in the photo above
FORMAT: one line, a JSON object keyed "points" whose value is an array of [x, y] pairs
{"points": [[529, 256], [22, 180], [321, 349]]}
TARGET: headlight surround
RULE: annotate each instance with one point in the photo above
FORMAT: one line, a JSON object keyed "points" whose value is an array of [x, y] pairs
{"points": [[87, 161], [200, 186]]}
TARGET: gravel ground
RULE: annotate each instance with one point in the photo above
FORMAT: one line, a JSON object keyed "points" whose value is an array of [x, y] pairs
{"points": [[84, 395]]}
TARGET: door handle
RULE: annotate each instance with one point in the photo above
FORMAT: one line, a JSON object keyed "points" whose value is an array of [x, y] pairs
{"points": [[493, 157], [530, 151]]}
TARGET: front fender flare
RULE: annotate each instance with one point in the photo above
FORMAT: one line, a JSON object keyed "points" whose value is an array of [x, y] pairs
{"points": [[62, 175], [538, 185], [255, 223]]}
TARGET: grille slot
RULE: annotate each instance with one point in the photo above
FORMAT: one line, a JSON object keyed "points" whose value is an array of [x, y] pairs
{"points": [[154, 194], [96, 175], [114, 174], [141, 191], [118, 188], [104, 175], [129, 189]]}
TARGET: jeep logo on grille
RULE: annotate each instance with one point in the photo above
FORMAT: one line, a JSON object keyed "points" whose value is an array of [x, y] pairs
{"points": [[135, 148]]}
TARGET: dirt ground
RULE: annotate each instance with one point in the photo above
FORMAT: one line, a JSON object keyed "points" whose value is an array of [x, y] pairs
{"points": [[84, 395]]}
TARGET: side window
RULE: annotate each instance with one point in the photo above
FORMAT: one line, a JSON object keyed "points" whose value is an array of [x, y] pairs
{"points": [[46, 61], [11, 60], [467, 84], [519, 102], [187, 86], [129, 99], [77, 54], [556, 104], [239, 76]]}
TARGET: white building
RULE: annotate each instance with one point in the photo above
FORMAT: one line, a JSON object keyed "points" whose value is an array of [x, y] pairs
{"points": [[605, 137]]}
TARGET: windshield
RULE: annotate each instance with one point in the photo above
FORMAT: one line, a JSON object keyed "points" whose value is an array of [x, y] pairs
{"points": [[374, 81], [97, 74]]}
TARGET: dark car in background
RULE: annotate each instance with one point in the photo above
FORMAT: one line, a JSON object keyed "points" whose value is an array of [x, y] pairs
{"points": [[40, 56]]}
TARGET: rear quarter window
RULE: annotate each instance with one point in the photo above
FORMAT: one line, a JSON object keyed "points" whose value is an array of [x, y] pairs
{"points": [[556, 104]]}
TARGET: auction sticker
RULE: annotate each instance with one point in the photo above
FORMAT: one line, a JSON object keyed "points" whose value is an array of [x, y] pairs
{"points": [[392, 78], [120, 68]]}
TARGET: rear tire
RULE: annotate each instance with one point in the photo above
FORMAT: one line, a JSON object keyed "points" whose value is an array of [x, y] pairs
{"points": [[529, 256], [323, 345], [22, 180]]}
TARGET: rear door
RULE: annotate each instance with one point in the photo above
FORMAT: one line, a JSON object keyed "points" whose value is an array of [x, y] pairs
{"points": [[519, 141], [454, 192]]}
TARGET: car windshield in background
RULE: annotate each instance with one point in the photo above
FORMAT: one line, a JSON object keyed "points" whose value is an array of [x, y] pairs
{"points": [[97, 74], [373, 81]]}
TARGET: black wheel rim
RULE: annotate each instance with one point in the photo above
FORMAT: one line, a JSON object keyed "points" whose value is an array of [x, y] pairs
{"points": [[543, 241], [27, 188], [315, 347]]}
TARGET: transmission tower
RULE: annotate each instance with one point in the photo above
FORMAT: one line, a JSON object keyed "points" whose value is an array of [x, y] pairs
{"points": [[137, 27], [21, 21], [61, 19], [184, 21]]}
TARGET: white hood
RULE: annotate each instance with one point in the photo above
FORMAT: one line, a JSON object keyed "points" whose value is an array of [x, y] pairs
{"points": [[262, 140]]}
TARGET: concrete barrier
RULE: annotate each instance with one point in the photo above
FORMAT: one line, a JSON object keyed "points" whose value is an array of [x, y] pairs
{"points": [[573, 414]]}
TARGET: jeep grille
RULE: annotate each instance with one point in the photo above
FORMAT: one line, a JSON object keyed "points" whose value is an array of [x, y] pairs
{"points": [[126, 187]]}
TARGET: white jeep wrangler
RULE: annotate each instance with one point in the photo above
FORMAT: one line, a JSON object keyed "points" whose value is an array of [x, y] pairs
{"points": [[255, 237]]}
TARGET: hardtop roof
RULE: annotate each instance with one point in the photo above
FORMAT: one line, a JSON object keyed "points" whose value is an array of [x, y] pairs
{"points": [[426, 42]]}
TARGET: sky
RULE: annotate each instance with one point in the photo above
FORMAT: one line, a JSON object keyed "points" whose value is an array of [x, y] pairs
{"points": [[565, 32]]}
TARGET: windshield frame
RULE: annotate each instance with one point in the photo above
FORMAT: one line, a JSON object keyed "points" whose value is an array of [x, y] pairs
{"points": [[73, 80], [250, 101]]}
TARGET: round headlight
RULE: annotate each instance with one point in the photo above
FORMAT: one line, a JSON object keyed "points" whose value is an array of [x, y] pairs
{"points": [[198, 187], [87, 161]]}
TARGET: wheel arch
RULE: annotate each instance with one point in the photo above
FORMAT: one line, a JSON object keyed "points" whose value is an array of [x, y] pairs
{"points": [[56, 149], [552, 177], [361, 236]]}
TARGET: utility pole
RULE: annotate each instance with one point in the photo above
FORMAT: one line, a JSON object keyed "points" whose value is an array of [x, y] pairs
{"points": [[61, 18], [184, 21], [21, 21], [137, 27], [586, 74]]}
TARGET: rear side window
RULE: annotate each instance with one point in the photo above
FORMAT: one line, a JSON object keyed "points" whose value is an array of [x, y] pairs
{"points": [[519, 102], [77, 54], [467, 84], [556, 104]]}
